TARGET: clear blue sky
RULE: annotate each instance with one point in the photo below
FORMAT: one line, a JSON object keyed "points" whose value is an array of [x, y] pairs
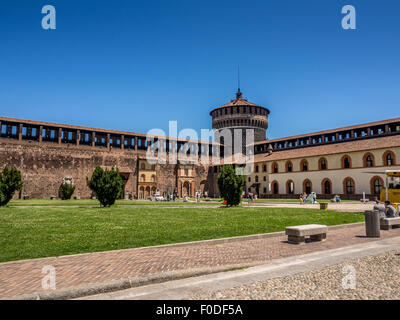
{"points": [[134, 65]]}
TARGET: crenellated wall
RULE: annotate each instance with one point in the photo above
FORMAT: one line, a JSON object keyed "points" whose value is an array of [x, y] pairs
{"points": [[46, 153], [44, 166]]}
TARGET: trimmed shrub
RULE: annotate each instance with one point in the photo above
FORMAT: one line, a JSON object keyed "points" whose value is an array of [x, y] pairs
{"points": [[10, 181], [230, 185], [106, 184], [65, 191]]}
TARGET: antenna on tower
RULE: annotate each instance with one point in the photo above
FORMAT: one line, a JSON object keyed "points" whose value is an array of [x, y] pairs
{"points": [[238, 77], [238, 93]]}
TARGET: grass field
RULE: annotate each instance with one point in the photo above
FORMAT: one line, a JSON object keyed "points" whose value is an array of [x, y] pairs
{"points": [[90, 202], [42, 232]]}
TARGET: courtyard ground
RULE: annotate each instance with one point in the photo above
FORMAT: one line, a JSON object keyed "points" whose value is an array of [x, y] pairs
{"points": [[375, 277], [369, 270], [42, 232], [81, 274]]}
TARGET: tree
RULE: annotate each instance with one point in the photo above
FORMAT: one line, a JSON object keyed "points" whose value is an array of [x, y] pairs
{"points": [[230, 185], [66, 190], [106, 184], [10, 181]]}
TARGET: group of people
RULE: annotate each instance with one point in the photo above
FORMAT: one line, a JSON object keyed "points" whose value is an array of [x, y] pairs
{"points": [[386, 209], [250, 197], [311, 198], [172, 197]]}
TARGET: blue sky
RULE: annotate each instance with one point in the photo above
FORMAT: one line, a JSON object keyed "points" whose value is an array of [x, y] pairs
{"points": [[134, 65]]}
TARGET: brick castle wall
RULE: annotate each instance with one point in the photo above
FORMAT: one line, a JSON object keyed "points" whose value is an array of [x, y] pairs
{"points": [[44, 166]]}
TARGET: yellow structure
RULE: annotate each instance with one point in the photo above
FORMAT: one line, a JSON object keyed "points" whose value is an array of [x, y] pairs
{"points": [[147, 179], [392, 190]]}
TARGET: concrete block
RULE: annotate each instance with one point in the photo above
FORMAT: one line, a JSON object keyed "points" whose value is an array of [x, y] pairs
{"points": [[389, 223], [307, 230]]}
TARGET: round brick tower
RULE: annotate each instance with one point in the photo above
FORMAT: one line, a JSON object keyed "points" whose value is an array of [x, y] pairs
{"points": [[241, 114]]}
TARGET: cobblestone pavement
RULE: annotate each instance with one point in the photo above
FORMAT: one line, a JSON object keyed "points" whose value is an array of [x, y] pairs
{"points": [[375, 277], [22, 277]]}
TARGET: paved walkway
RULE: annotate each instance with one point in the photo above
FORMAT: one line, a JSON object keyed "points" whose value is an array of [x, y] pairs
{"points": [[343, 207], [23, 277], [315, 278]]}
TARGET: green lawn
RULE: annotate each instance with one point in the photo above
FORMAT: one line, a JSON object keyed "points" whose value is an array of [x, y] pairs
{"points": [[90, 202], [42, 232]]}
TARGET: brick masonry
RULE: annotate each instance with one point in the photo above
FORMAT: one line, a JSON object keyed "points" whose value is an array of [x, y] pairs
{"points": [[44, 166]]}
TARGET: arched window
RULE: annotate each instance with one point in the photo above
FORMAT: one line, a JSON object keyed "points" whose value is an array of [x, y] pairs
{"points": [[290, 187], [143, 178], [323, 164], [275, 167], [153, 178], [275, 187], [389, 159], [346, 162], [304, 165], [376, 185], [264, 168], [289, 166], [256, 168], [142, 166], [349, 186], [326, 186], [249, 179], [368, 160], [256, 178], [307, 186]]}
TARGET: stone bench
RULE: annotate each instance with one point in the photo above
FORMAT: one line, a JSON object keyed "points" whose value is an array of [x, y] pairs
{"points": [[390, 223], [297, 234]]}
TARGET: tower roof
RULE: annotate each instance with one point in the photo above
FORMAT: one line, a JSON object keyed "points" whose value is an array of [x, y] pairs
{"points": [[240, 101]]}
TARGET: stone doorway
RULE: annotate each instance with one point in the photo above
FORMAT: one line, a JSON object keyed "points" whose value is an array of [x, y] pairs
{"points": [[125, 178], [186, 189]]}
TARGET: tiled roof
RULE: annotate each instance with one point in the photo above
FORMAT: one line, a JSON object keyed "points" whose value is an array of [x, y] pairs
{"points": [[238, 102], [358, 126], [343, 147]]}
